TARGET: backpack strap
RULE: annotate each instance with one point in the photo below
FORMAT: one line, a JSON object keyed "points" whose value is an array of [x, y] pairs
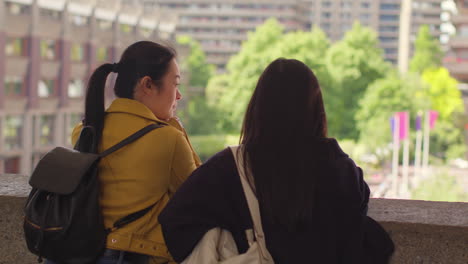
{"points": [[133, 216], [252, 202], [130, 139]]}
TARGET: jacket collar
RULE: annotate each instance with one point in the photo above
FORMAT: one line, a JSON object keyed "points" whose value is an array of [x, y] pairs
{"points": [[130, 106]]}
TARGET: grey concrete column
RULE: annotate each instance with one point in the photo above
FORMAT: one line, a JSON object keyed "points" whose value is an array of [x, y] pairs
{"points": [[59, 128], [2, 53], [404, 38], [33, 72], [115, 54], [26, 156], [91, 45], [65, 60], [2, 138]]}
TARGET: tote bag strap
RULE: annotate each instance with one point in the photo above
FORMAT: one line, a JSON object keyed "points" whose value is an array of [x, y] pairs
{"points": [[252, 202]]}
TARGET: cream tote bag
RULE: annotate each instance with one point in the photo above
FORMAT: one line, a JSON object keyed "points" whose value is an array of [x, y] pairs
{"points": [[218, 246]]}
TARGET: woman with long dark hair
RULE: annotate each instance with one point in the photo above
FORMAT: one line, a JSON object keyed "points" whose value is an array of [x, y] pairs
{"points": [[312, 197], [142, 176]]}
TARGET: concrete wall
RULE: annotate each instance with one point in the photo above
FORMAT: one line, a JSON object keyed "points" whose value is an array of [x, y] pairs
{"points": [[423, 232]]}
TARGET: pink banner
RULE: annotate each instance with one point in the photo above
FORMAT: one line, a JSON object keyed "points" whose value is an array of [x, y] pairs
{"points": [[404, 128], [433, 115]]}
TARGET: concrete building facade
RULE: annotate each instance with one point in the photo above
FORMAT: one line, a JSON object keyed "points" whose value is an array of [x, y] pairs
{"points": [[457, 59], [48, 49]]}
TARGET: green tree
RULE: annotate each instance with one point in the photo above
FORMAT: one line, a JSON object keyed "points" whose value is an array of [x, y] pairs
{"points": [[447, 139], [198, 116], [233, 89], [199, 70], [353, 63], [383, 98], [443, 92], [427, 51]]}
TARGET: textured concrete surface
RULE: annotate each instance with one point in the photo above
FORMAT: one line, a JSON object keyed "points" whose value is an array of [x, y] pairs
{"points": [[423, 232]]}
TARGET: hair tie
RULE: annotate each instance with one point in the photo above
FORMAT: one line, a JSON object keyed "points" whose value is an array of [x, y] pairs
{"points": [[115, 67]]}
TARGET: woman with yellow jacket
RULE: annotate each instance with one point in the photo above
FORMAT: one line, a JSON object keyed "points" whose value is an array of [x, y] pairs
{"points": [[148, 171]]}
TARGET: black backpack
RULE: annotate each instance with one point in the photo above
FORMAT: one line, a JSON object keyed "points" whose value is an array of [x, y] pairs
{"points": [[63, 220]]}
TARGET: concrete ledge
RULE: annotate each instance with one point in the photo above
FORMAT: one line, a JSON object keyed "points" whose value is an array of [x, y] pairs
{"points": [[423, 232]]}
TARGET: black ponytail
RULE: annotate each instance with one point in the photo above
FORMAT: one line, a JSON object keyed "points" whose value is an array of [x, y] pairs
{"points": [[94, 104], [143, 58]]}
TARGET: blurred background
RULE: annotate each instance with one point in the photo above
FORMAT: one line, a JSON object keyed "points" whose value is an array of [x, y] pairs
{"points": [[394, 74]]}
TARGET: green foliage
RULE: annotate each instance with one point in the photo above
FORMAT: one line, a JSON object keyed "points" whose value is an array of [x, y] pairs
{"points": [[200, 71], [443, 92], [447, 138], [208, 145], [427, 51], [440, 187], [230, 92], [198, 116], [353, 63], [382, 99]]}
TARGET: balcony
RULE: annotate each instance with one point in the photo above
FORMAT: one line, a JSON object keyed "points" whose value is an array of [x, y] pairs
{"points": [[459, 69], [460, 20], [218, 36], [459, 42], [423, 232], [239, 13]]}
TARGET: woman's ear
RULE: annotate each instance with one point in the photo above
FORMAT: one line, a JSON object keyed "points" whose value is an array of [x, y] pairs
{"points": [[146, 83]]}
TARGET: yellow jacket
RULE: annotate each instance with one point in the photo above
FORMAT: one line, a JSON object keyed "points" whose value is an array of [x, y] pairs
{"points": [[145, 172]]}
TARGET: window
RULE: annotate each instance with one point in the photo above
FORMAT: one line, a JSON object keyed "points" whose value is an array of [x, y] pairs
{"points": [[390, 50], [12, 165], [326, 15], [126, 28], [345, 15], [75, 88], [48, 49], [49, 13], [431, 16], [46, 88], [345, 26], [102, 54], [12, 132], [463, 31], [77, 52], [46, 130], [13, 86], [75, 119], [146, 32], [78, 20], [387, 39], [326, 4], [364, 16], [388, 6], [346, 4], [325, 26], [104, 24], [389, 17], [16, 46], [365, 5], [17, 9], [388, 28]]}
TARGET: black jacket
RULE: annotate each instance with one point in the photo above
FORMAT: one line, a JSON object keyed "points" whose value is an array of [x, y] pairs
{"points": [[339, 233]]}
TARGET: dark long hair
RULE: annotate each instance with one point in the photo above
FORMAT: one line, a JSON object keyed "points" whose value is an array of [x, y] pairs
{"points": [[143, 58], [284, 118]]}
